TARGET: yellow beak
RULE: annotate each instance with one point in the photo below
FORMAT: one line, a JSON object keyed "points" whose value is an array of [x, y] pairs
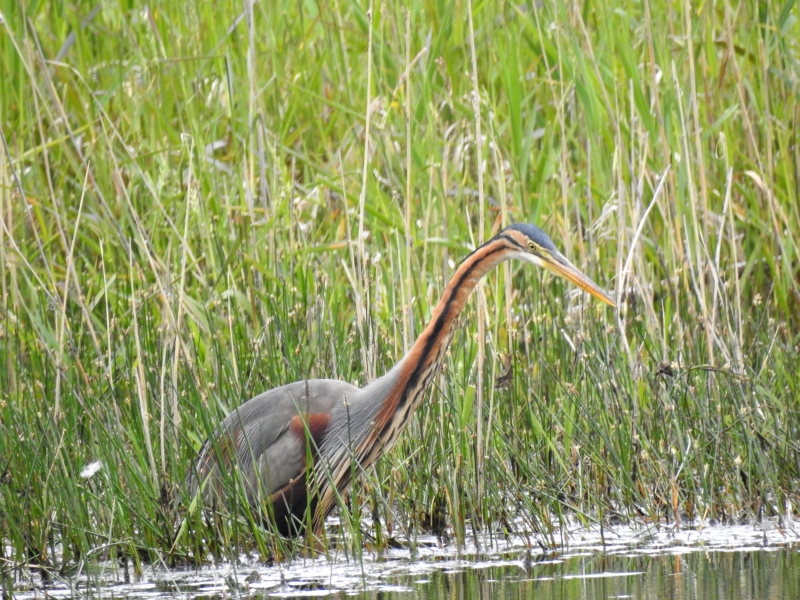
{"points": [[558, 264]]}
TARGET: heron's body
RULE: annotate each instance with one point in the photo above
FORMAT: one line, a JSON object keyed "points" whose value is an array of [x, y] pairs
{"points": [[338, 426]]}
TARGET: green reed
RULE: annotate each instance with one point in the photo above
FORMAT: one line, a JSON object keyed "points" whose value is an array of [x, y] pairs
{"points": [[188, 219]]}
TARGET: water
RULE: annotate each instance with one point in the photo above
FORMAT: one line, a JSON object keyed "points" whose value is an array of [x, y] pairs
{"points": [[758, 562], [756, 575]]}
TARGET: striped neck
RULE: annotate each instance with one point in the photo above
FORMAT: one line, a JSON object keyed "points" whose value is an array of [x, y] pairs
{"points": [[378, 412], [425, 358]]}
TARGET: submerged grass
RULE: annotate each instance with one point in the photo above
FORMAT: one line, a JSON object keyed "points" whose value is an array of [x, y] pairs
{"points": [[200, 203]]}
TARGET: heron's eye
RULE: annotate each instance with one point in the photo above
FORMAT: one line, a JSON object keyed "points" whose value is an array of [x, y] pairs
{"points": [[533, 246]]}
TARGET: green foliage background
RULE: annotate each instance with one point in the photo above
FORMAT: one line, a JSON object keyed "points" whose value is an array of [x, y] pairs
{"points": [[200, 201]]}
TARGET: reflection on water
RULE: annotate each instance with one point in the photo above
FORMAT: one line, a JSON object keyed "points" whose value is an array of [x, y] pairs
{"points": [[755, 575], [758, 561]]}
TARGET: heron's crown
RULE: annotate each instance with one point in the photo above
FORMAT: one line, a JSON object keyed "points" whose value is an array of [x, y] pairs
{"points": [[533, 233]]}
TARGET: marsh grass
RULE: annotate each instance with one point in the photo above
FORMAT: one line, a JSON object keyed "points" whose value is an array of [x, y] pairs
{"points": [[199, 204]]}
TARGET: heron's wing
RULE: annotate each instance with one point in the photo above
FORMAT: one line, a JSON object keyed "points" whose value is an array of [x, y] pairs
{"points": [[268, 437]]}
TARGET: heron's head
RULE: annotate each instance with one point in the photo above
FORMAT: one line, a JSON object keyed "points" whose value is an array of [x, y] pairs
{"points": [[533, 245]]}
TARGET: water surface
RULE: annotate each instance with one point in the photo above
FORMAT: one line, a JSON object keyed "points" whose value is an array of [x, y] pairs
{"points": [[744, 562]]}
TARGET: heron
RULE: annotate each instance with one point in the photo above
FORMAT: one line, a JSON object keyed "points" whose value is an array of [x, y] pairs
{"points": [[296, 446]]}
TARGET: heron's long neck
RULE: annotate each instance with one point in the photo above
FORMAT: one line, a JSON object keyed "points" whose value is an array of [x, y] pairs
{"points": [[413, 374]]}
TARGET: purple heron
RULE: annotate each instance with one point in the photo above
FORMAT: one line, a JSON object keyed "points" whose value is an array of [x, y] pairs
{"points": [[295, 446]]}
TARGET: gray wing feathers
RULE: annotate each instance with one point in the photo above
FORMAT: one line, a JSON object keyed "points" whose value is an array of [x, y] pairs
{"points": [[269, 454], [354, 421]]}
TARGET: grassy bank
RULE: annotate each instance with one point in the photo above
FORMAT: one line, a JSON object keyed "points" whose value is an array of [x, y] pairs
{"points": [[199, 204]]}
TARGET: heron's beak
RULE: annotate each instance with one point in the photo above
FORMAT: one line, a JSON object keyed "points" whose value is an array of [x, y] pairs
{"points": [[558, 264]]}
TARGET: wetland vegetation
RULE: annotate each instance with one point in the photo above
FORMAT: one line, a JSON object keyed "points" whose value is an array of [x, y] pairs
{"points": [[202, 201]]}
